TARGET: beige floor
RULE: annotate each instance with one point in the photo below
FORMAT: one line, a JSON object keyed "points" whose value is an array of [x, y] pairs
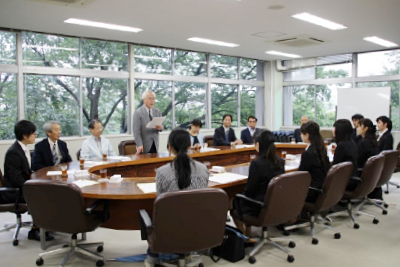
{"points": [[371, 245]]}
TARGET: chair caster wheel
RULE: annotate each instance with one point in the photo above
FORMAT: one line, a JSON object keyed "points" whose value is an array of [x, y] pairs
{"points": [[356, 226], [398, 186], [252, 260], [375, 221], [286, 233], [201, 264], [290, 258], [337, 236], [384, 212], [314, 241], [99, 248], [15, 242], [292, 244], [39, 262], [386, 206], [100, 263], [386, 192]]}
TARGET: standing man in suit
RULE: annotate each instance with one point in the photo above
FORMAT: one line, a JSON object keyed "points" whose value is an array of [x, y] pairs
{"points": [[297, 136], [356, 123], [385, 138], [51, 151], [146, 138], [248, 134], [224, 135]]}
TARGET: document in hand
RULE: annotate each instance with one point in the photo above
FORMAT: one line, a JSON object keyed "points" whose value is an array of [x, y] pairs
{"points": [[156, 121]]}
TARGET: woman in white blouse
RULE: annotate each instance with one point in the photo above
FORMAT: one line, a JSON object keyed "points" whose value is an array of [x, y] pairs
{"points": [[95, 146]]}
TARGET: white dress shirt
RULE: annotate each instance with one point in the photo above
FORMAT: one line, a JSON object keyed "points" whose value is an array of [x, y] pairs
{"points": [[381, 133], [27, 152], [91, 150], [251, 130]]}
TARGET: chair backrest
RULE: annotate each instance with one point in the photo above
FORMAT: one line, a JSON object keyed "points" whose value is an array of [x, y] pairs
{"points": [[398, 149], [1, 178], [391, 158], [208, 139], [285, 198], [334, 186], [189, 220], [370, 175], [127, 147], [326, 134], [57, 206], [78, 154]]}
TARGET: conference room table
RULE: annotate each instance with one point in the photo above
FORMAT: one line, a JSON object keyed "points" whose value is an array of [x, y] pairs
{"points": [[126, 198]]}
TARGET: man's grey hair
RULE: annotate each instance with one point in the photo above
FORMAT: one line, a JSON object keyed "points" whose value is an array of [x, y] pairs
{"points": [[47, 126], [305, 117], [147, 92]]}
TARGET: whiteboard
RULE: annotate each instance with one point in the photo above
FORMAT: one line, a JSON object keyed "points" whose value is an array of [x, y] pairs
{"points": [[370, 102]]}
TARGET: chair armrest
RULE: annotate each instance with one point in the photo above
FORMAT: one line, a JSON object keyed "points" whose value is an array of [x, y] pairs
{"points": [[8, 189], [145, 223], [319, 191], [355, 178], [240, 197], [96, 204]]}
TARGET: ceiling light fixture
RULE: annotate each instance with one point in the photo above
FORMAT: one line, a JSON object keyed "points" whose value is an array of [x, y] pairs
{"points": [[277, 53], [319, 21], [380, 41], [109, 26], [212, 42]]}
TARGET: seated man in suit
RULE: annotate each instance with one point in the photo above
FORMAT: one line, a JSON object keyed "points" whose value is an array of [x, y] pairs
{"points": [[248, 134], [224, 135], [304, 119], [50, 151], [385, 138], [17, 166], [356, 119]]}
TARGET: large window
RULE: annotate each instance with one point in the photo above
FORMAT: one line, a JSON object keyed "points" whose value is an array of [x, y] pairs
{"points": [[8, 48], [224, 101], [247, 103], [8, 105], [190, 63], [224, 67], [152, 60], [190, 103], [379, 63], [302, 99]]}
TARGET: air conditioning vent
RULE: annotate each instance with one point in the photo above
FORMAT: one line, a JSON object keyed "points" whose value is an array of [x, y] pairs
{"points": [[66, 2], [299, 41]]}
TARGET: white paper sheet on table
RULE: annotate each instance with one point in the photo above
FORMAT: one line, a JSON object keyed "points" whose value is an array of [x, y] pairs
{"points": [[122, 158], [50, 173], [89, 163], [156, 121], [82, 183], [226, 177], [244, 146], [291, 167], [147, 187], [209, 149]]}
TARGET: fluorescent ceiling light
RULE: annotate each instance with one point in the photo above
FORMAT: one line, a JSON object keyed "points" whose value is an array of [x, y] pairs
{"points": [[282, 54], [319, 21], [102, 25], [212, 42], [379, 41]]}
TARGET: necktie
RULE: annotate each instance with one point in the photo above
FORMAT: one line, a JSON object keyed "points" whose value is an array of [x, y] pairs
{"points": [[28, 156], [55, 156], [151, 117], [227, 136]]}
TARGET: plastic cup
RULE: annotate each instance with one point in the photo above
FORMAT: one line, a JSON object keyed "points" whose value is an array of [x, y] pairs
{"points": [[252, 157], [104, 157], [64, 170], [284, 154], [103, 173], [81, 161]]}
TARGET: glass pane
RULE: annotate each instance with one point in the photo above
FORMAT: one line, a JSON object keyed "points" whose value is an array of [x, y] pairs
{"points": [[247, 103], [394, 99], [52, 98], [224, 67], [50, 50], [302, 102], [224, 101], [326, 103], [152, 60], [163, 91], [106, 99], [334, 71], [190, 103], [190, 63], [248, 69], [299, 75], [378, 63], [8, 48], [103, 55], [8, 105]]}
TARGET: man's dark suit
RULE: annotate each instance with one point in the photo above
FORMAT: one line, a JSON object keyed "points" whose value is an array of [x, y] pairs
{"points": [[385, 142], [297, 136], [356, 137], [16, 170], [219, 137], [43, 157], [246, 136]]}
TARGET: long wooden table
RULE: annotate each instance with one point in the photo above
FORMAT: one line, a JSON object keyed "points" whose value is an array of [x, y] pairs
{"points": [[126, 199]]}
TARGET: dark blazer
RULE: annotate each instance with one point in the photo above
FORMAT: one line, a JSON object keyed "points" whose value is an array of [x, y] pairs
{"points": [[16, 170], [346, 151], [385, 142], [366, 148], [219, 137], [42, 156], [260, 173], [246, 136], [297, 136], [355, 137]]}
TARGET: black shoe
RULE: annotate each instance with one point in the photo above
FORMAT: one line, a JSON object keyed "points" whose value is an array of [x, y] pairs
{"points": [[34, 234]]}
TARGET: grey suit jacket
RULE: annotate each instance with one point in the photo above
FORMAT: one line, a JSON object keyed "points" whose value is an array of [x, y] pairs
{"points": [[142, 135]]}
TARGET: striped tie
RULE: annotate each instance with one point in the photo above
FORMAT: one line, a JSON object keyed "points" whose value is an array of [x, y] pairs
{"points": [[55, 156]]}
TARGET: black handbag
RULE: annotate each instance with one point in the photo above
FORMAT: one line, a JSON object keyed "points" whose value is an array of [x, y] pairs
{"points": [[232, 247]]}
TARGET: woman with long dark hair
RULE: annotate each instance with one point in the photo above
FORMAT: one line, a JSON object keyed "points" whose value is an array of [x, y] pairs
{"points": [[368, 145], [314, 159], [266, 166], [346, 149]]}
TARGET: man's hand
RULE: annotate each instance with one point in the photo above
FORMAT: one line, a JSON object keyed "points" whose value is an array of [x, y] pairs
{"points": [[238, 142], [159, 127], [139, 150]]}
